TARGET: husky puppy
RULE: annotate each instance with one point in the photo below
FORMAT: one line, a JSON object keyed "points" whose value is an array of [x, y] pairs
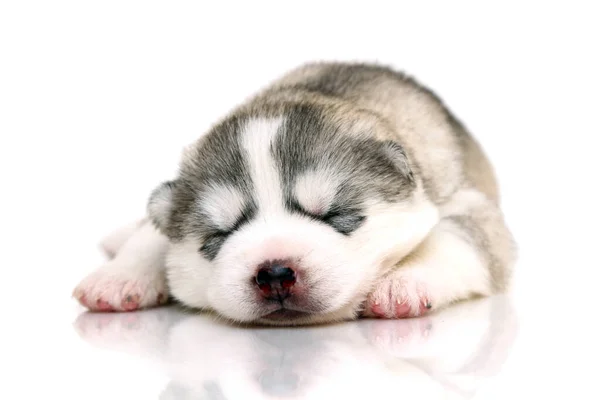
{"points": [[341, 190]]}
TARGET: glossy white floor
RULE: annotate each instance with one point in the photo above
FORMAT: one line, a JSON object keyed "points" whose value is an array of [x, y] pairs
{"points": [[98, 98], [454, 354]]}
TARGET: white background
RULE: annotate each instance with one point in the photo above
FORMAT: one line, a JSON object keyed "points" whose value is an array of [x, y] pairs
{"points": [[97, 100]]}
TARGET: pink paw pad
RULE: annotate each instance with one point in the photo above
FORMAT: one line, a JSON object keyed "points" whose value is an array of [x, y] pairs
{"points": [[102, 305], [377, 310], [403, 310]]}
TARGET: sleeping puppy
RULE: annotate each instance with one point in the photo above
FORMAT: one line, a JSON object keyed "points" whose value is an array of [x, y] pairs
{"points": [[341, 190]]}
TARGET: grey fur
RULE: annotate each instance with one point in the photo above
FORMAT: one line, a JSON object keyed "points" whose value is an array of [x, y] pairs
{"points": [[385, 93], [385, 131], [309, 139]]}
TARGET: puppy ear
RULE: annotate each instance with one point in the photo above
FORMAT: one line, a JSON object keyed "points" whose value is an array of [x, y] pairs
{"points": [[160, 204], [397, 155]]}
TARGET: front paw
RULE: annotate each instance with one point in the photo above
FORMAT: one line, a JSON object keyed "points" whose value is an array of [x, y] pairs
{"points": [[121, 288], [398, 295]]}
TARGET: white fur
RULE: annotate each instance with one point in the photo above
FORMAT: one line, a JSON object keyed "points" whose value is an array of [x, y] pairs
{"points": [[223, 205], [339, 268], [112, 243], [443, 269], [315, 190], [137, 271], [188, 273], [257, 138], [461, 202]]}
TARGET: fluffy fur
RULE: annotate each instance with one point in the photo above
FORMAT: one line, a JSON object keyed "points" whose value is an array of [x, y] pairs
{"points": [[353, 176]]}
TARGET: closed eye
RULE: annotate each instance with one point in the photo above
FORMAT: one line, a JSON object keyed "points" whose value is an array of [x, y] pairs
{"points": [[343, 220], [212, 245], [344, 223], [243, 219], [215, 239]]}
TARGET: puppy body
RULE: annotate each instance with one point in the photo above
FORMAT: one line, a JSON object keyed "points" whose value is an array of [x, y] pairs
{"points": [[352, 179]]}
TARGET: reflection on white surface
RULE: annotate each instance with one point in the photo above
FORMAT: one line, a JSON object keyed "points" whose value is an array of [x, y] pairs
{"points": [[446, 355]]}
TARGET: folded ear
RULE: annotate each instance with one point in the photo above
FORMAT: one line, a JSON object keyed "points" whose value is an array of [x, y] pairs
{"points": [[398, 157], [160, 204]]}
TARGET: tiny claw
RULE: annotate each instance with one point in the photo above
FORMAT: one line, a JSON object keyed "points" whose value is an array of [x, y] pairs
{"points": [[428, 305]]}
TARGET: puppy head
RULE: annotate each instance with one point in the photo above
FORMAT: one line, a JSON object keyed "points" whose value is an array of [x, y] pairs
{"points": [[288, 218]]}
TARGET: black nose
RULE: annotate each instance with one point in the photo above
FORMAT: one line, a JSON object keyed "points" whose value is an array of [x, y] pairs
{"points": [[275, 281]]}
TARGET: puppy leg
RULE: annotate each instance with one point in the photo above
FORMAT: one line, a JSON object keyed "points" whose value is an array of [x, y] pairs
{"points": [[114, 241], [134, 279], [469, 253]]}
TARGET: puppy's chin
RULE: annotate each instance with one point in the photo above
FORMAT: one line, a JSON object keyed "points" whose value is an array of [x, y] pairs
{"points": [[294, 318]]}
